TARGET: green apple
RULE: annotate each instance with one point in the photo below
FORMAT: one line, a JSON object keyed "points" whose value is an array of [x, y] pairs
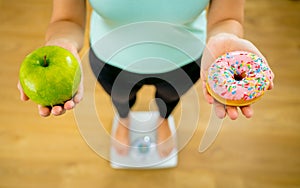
{"points": [[50, 75]]}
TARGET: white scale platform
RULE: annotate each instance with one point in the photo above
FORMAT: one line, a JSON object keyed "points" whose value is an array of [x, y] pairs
{"points": [[142, 153]]}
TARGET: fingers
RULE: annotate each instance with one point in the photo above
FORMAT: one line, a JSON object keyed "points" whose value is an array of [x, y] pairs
{"points": [[232, 111], [58, 110], [69, 105], [247, 111], [220, 110], [44, 111], [79, 95], [47, 111], [271, 86], [76, 99], [23, 97], [207, 96]]}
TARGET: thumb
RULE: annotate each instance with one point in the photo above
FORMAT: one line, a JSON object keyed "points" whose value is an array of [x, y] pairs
{"points": [[23, 96]]}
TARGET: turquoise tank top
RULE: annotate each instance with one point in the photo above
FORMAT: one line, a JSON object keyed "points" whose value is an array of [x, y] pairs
{"points": [[148, 36]]}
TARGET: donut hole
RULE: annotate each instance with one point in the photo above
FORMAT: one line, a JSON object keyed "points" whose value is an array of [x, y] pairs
{"points": [[239, 77]]}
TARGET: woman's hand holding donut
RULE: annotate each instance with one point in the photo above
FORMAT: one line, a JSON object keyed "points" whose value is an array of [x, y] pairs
{"points": [[216, 46], [60, 109]]}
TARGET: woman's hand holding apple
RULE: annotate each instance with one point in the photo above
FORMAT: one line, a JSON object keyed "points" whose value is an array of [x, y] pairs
{"points": [[68, 105]]}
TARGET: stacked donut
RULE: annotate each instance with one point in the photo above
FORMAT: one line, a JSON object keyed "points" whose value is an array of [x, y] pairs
{"points": [[238, 78]]}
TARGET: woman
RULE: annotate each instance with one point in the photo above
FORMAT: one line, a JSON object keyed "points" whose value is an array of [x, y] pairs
{"points": [[223, 32]]}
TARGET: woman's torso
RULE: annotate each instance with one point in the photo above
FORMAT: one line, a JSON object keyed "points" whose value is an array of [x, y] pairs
{"points": [[171, 31]]}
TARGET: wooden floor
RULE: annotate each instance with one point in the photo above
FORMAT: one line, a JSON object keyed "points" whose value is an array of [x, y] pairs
{"points": [[257, 153]]}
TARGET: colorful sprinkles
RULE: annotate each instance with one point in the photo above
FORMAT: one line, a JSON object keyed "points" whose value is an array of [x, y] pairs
{"points": [[253, 73]]}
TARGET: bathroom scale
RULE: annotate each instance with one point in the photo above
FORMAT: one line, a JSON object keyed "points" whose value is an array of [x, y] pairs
{"points": [[142, 152]]}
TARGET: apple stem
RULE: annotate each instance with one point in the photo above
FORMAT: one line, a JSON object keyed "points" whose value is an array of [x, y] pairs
{"points": [[45, 61]]}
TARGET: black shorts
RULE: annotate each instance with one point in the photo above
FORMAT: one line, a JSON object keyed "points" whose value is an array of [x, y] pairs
{"points": [[123, 85]]}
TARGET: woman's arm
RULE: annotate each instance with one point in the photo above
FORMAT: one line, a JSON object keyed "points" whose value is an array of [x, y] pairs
{"points": [[225, 16], [225, 32], [67, 23], [66, 29]]}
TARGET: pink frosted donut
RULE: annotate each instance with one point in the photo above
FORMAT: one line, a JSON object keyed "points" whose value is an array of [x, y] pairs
{"points": [[238, 78]]}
